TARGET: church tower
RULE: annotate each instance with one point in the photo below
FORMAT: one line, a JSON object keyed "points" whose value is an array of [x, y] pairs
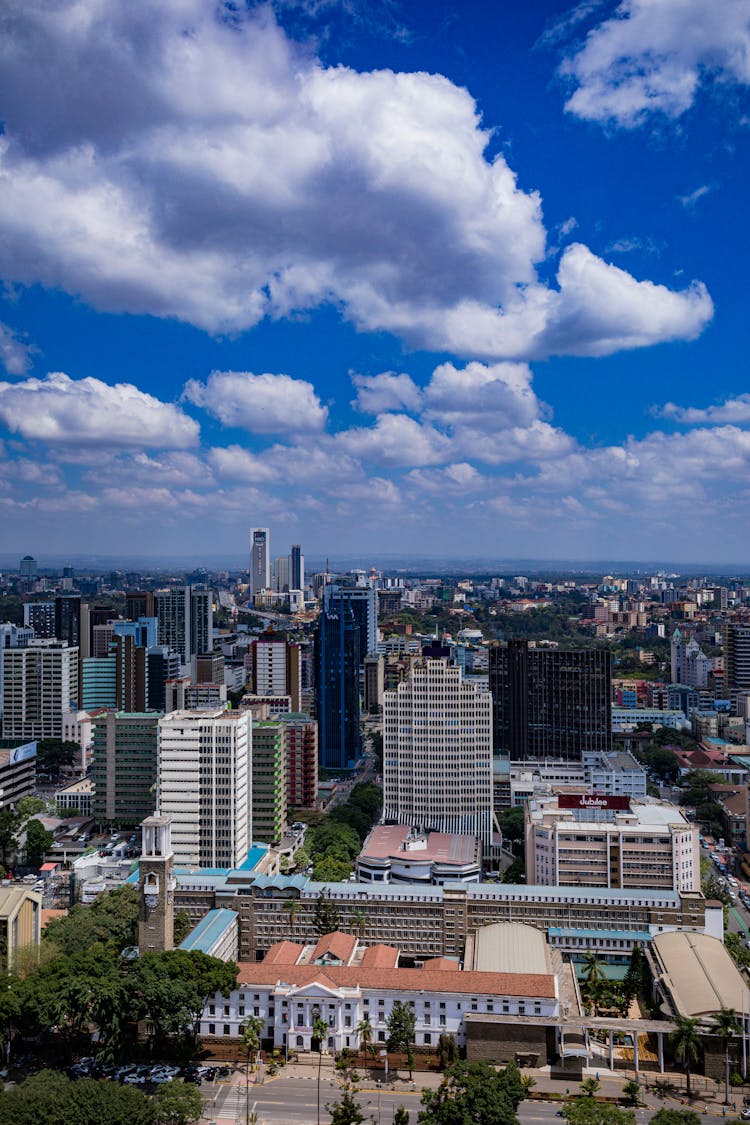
{"points": [[156, 886]]}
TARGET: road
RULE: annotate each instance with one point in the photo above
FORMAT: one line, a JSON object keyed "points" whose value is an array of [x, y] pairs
{"points": [[292, 1100]]}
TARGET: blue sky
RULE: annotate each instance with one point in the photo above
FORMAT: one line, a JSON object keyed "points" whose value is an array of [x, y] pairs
{"points": [[388, 278]]}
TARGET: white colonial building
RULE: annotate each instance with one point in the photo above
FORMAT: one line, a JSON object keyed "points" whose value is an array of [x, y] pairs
{"points": [[343, 983]]}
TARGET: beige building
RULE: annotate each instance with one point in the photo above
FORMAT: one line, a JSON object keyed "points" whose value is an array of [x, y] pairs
{"points": [[437, 753], [589, 839], [20, 923], [40, 685]]}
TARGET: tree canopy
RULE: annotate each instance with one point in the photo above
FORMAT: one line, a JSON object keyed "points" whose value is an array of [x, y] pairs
{"points": [[472, 1092]]}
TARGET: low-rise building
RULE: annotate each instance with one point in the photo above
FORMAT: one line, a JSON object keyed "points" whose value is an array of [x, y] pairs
{"points": [[343, 983], [20, 923], [17, 771], [77, 797], [593, 840], [395, 853]]}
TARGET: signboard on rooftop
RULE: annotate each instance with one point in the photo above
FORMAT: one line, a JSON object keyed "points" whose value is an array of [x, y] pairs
{"points": [[593, 801]]}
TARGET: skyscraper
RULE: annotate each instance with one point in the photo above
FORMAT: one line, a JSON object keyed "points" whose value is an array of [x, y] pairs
{"points": [[68, 619], [40, 684], [260, 559], [276, 668], [363, 603], [204, 785], [337, 685], [28, 567], [296, 568], [550, 703], [201, 621], [437, 752], [123, 766], [185, 616], [736, 658]]}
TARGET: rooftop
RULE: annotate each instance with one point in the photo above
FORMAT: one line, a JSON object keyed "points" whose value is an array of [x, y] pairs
{"points": [[510, 947], [211, 927], [398, 841], [699, 974]]}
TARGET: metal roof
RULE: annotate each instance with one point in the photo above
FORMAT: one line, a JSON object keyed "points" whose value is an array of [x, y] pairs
{"points": [[208, 931]]}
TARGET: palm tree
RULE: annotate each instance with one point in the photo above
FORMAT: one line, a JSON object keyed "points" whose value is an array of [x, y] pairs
{"points": [[528, 1082], [725, 1026], [594, 969], [320, 1031], [251, 1043], [360, 922], [291, 907], [364, 1031], [686, 1045]]}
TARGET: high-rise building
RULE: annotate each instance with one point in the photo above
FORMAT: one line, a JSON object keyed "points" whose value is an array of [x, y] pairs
{"points": [[269, 781], [260, 559], [163, 664], [276, 668], [363, 603], [40, 616], [736, 658], [123, 767], [68, 619], [689, 664], [12, 636], [28, 567], [374, 683], [185, 616], [209, 668], [139, 603], [205, 785], [296, 568], [40, 684], [550, 703], [337, 663], [301, 759], [437, 753], [280, 580]]}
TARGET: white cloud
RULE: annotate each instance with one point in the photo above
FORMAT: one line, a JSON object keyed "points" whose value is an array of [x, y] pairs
{"points": [[68, 411], [734, 410], [486, 397], [235, 463], [397, 440], [222, 175], [262, 404], [693, 197], [377, 394], [14, 352], [652, 56], [460, 478]]}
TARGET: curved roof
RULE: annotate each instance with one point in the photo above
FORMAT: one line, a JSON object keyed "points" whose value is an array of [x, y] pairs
{"points": [[510, 947], [699, 974]]}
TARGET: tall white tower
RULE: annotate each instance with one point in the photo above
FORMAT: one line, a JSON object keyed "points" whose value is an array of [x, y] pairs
{"points": [[260, 559], [437, 752]]}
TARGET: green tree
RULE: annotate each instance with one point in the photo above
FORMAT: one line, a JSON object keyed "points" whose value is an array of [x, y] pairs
{"points": [[30, 806], [528, 1081], [38, 841], [50, 1097], [725, 1026], [401, 1024], [8, 841], [593, 967], [111, 919], [675, 1117], [401, 1116], [590, 1086], [632, 1091], [686, 1045], [739, 952], [472, 1092], [512, 824], [635, 977], [330, 869], [182, 926], [346, 1111], [326, 916], [447, 1050], [55, 754], [172, 989], [320, 1033], [177, 1103], [364, 1034], [587, 1111], [291, 907], [360, 922]]}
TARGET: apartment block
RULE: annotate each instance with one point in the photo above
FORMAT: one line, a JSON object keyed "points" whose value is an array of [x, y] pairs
{"points": [[269, 781], [40, 684]]}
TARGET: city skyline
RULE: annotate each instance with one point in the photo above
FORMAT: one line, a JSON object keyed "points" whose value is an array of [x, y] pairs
{"points": [[387, 279]]}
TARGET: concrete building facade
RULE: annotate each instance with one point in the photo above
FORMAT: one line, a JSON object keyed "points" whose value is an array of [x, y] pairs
{"points": [[40, 684]]}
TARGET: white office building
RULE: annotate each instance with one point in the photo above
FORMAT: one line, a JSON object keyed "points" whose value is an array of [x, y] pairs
{"points": [[204, 785], [437, 753], [260, 559], [40, 684]]}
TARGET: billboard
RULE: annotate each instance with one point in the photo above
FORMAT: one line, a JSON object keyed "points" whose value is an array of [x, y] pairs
{"points": [[593, 801]]}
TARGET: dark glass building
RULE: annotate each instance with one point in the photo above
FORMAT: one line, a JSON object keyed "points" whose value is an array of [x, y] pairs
{"points": [[550, 703], [337, 685]]}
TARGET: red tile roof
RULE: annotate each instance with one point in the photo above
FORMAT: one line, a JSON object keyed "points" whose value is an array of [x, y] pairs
{"points": [[283, 953], [380, 957], [539, 985], [337, 945], [442, 964]]}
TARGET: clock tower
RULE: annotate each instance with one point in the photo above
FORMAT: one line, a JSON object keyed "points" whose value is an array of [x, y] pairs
{"points": [[156, 885]]}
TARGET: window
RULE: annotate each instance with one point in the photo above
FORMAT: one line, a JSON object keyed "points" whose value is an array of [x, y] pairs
{"points": [[381, 1037], [241, 1010], [212, 1029], [226, 1029], [427, 1038], [211, 1010]]}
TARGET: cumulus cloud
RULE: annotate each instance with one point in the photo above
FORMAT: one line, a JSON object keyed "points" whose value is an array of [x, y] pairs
{"points": [[15, 354], [222, 175], [653, 57], [66, 411], [377, 394], [262, 404], [486, 397], [235, 463], [734, 410], [398, 440]]}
